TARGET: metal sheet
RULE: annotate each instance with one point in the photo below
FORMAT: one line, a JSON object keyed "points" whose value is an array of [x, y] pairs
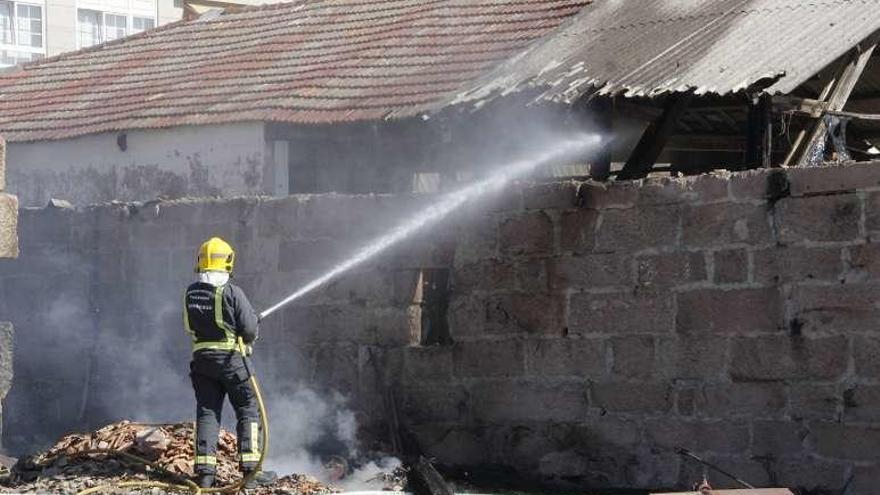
{"points": [[652, 47]]}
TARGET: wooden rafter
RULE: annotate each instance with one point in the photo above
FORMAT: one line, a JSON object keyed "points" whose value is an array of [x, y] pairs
{"points": [[654, 139], [833, 100]]}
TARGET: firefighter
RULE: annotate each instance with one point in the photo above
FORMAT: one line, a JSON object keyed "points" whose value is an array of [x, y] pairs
{"points": [[223, 326]]}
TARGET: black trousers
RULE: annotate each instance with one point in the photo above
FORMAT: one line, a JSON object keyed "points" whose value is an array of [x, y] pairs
{"points": [[216, 374]]}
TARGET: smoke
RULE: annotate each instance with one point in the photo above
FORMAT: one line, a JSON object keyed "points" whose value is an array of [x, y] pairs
{"points": [[306, 426], [105, 342]]}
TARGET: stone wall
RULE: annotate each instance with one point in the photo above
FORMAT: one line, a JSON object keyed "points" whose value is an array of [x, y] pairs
{"points": [[8, 249], [596, 329]]}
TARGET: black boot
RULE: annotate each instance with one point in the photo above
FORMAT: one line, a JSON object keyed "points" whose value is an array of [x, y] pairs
{"points": [[206, 480], [262, 478]]}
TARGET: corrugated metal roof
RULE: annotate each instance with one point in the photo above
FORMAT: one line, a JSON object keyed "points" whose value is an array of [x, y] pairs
{"points": [[650, 47], [325, 61], [309, 61]]}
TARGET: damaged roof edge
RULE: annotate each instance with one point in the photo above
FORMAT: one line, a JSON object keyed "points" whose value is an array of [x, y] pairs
{"points": [[770, 48]]}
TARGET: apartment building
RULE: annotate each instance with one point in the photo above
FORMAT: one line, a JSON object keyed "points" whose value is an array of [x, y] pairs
{"points": [[33, 29]]}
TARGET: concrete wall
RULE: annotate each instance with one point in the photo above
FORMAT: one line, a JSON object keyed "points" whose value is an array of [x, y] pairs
{"points": [[595, 328], [8, 249], [200, 160]]}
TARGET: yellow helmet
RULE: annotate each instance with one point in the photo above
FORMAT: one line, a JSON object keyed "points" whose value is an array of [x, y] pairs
{"points": [[215, 255]]}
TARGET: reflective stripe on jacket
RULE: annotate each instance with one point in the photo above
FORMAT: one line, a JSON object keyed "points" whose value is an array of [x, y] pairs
{"points": [[216, 317]]}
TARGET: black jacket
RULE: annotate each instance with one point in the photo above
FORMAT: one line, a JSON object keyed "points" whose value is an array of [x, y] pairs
{"points": [[235, 318]]}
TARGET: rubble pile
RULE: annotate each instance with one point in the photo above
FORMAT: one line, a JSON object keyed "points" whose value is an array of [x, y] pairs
{"points": [[79, 461]]}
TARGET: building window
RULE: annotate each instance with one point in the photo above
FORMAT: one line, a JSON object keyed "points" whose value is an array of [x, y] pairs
{"points": [[96, 27], [88, 27], [21, 32], [139, 24]]}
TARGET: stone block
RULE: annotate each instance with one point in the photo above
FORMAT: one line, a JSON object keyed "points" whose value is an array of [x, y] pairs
{"points": [[437, 402], [8, 226], [589, 271], [755, 471], [360, 287], [670, 269], [607, 431], [467, 317], [751, 400], [634, 356], [862, 403], [626, 397], [489, 358], [818, 219], [601, 195], [807, 475], [811, 401], [257, 257], [829, 178], [306, 322], [6, 356], [316, 255], [730, 311], [518, 401], [427, 363], [731, 266], [721, 224], [485, 275], [692, 357], [454, 444], [872, 212], [620, 313], [778, 438], [845, 441], [784, 264], [535, 314], [533, 275], [578, 230], [554, 195], [842, 308], [686, 401], [788, 358], [865, 352], [702, 188], [527, 234], [864, 262], [636, 229], [336, 368], [567, 357], [752, 185], [477, 239], [698, 435], [865, 480]]}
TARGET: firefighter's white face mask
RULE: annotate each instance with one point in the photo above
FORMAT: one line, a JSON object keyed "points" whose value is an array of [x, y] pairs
{"points": [[214, 278]]}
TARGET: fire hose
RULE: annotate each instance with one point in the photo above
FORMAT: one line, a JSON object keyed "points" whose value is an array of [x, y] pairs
{"points": [[186, 485]]}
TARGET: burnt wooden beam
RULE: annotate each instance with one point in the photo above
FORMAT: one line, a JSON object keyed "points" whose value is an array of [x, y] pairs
{"points": [[805, 106], [654, 139], [846, 82], [759, 137], [856, 116]]}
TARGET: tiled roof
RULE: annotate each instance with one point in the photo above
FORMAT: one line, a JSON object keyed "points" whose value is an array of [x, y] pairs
{"points": [[315, 61]]}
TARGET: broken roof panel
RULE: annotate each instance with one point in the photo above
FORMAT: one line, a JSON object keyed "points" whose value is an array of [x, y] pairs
{"points": [[652, 47], [313, 61]]}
